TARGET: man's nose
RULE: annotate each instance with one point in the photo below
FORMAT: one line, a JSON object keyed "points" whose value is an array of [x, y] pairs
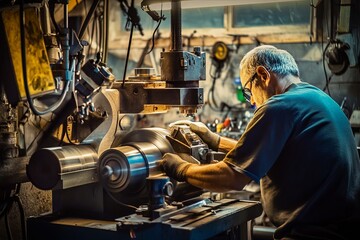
{"points": [[252, 101]]}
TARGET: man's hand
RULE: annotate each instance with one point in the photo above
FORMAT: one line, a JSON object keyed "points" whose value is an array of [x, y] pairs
{"points": [[210, 138], [174, 166]]}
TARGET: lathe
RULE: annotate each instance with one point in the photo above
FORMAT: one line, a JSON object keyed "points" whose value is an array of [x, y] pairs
{"points": [[64, 129]]}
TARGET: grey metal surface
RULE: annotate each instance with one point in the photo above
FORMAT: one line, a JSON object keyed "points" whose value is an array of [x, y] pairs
{"points": [[107, 105], [134, 95], [156, 136], [218, 218], [183, 66]]}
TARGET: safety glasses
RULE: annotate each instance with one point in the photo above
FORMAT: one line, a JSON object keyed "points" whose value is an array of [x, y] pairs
{"points": [[246, 91]]}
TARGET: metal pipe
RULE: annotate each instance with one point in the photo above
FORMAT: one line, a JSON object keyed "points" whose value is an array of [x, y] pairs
{"points": [[66, 44], [176, 41]]}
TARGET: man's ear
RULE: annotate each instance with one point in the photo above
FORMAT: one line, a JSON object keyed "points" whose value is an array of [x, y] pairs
{"points": [[263, 73]]}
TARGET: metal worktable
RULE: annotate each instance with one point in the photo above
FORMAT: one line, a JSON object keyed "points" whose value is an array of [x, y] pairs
{"points": [[208, 221]]}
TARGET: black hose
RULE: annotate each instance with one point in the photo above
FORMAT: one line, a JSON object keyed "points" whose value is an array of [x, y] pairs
{"points": [[6, 210], [127, 54], [7, 225], [22, 217]]}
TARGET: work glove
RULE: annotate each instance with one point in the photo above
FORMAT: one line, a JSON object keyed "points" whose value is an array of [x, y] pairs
{"points": [[210, 138], [174, 166]]}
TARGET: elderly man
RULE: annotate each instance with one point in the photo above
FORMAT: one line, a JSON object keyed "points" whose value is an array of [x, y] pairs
{"points": [[299, 146]]}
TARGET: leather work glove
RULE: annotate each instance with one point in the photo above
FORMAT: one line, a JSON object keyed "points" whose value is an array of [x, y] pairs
{"points": [[174, 166], [210, 138]]}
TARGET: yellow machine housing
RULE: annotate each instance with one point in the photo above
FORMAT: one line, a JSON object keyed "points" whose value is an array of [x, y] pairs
{"points": [[39, 74]]}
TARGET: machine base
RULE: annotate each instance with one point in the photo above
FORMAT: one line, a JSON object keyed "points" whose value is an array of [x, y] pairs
{"points": [[211, 220]]}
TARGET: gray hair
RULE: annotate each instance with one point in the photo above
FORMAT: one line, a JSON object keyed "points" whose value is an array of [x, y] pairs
{"points": [[273, 59]]}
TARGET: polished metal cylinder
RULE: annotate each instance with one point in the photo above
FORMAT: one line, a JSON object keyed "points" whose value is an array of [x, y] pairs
{"points": [[48, 165], [126, 167]]}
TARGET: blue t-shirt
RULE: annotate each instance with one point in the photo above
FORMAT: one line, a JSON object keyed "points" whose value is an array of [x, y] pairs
{"points": [[300, 147]]}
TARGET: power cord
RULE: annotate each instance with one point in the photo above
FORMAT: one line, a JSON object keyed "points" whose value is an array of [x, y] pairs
{"points": [[7, 206]]}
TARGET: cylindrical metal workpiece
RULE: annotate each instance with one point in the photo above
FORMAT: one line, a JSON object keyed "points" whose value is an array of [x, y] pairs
{"points": [[126, 167], [47, 165]]}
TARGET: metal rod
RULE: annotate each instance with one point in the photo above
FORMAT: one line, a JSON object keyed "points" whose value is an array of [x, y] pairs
{"points": [[176, 41], [106, 30], [66, 44], [88, 18]]}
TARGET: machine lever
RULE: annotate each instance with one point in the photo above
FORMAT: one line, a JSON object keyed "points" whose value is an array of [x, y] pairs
{"points": [[167, 216]]}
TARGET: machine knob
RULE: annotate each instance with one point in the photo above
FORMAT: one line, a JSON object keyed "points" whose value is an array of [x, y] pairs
{"points": [[168, 189]]}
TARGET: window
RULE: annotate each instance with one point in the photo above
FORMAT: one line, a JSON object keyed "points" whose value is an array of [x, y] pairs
{"points": [[210, 17], [270, 18], [270, 14], [276, 22]]}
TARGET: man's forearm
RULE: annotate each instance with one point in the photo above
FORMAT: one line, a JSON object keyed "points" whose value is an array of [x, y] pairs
{"points": [[226, 144], [217, 177]]}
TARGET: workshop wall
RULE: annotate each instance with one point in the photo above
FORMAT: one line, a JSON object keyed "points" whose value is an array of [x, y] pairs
{"points": [[311, 57]]}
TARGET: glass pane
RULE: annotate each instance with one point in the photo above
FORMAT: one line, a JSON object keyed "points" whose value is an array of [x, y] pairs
{"points": [[212, 17], [191, 18], [272, 14]]}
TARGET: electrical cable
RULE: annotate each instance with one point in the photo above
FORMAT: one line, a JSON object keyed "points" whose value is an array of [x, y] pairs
{"points": [[153, 38], [156, 29], [127, 55], [118, 202], [4, 202], [52, 15], [211, 96], [10, 199], [68, 137], [211, 92], [7, 225], [134, 19], [23, 61], [62, 135], [22, 217], [327, 81]]}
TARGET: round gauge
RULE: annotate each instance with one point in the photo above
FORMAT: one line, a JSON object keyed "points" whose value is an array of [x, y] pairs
{"points": [[220, 51]]}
